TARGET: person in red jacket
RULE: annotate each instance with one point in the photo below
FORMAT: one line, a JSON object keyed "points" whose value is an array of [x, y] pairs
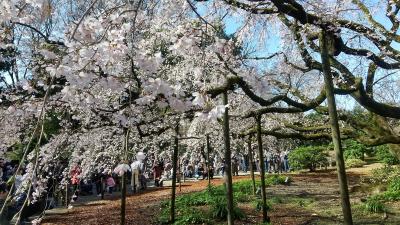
{"points": [[74, 174]]}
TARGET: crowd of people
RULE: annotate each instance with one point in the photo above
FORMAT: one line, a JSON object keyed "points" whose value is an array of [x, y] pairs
{"points": [[105, 181], [277, 162], [143, 170]]}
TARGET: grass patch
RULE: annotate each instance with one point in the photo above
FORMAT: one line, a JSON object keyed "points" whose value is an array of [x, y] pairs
{"points": [[354, 163], [276, 179], [374, 205], [208, 206], [301, 202]]}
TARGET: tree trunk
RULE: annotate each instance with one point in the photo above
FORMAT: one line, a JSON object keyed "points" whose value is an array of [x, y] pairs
{"points": [[262, 169], [102, 187], [66, 195], [208, 158], [335, 130], [174, 167], [123, 198], [251, 158], [228, 163], [123, 178]]}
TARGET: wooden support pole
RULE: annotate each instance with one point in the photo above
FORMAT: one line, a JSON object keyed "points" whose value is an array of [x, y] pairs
{"points": [[208, 158], [251, 161], [344, 192], [174, 167], [228, 163], [262, 168]]}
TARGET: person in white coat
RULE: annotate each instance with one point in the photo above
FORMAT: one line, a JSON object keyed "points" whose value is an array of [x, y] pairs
{"points": [[136, 167]]}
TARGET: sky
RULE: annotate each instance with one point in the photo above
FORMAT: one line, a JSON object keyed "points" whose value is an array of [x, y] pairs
{"points": [[273, 43], [232, 25]]}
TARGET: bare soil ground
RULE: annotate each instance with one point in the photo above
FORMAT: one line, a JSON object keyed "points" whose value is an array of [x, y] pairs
{"points": [[312, 198], [141, 208]]}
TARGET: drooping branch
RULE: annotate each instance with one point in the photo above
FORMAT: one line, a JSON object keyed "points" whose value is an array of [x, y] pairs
{"points": [[47, 40], [293, 135]]}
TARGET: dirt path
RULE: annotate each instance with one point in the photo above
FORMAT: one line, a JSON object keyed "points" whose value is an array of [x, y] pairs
{"points": [[314, 187], [141, 208], [321, 189]]}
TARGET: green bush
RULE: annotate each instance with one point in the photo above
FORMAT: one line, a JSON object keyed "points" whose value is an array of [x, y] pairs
{"points": [[389, 196], [184, 215], [241, 197], [245, 186], [275, 200], [276, 179], [385, 174], [353, 150], [219, 210], [384, 155], [374, 205], [258, 205], [394, 185], [389, 176], [308, 157], [353, 163], [192, 217], [194, 199]]}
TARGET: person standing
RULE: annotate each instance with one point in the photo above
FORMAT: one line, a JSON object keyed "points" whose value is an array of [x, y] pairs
{"points": [[75, 172], [135, 176], [235, 165], [97, 178], [110, 183], [286, 161], [142, 177], [157, 172], [244, 163], [266, 164], [223, 167]]}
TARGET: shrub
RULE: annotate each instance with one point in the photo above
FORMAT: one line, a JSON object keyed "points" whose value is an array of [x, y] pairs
{"points": [[241, 197], [219, 210], [374, 205], [275, 200], [352, 163], [258, 205], [389, 176], [245, 187], [353, 150], [276, 179], [394, 185], [194, 199], [385, 174], [185, 215], [192, 217], [390, 196], [308, 157], [384, 155]]}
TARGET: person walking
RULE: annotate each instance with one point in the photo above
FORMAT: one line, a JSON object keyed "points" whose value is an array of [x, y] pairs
{"points": [[74, 173], [110, 182]]}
